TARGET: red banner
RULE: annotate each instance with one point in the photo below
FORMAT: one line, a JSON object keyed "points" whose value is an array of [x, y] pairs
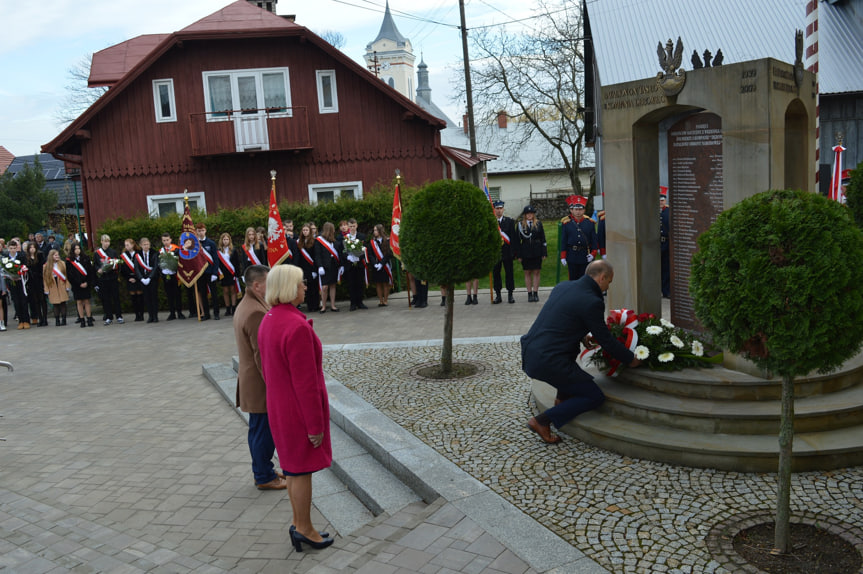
{"points": [[191, 264], [395, 225], [277, 243]]}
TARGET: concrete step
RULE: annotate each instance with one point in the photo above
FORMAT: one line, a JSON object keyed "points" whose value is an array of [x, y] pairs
{"points": [[726, 384], [735, 452], [369, 489], [830, 411]]}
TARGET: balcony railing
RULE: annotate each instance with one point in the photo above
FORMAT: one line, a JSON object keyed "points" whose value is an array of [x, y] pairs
{"points": [[247, 131]]}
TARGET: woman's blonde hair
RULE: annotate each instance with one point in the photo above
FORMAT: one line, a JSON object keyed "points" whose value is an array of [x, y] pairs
{"points": [[283, 284]]}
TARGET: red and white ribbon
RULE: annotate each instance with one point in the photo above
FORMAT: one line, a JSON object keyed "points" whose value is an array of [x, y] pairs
{"points": [[628, 319]]}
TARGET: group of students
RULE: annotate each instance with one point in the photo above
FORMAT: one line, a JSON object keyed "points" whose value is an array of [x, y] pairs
{"points": [[56, 278]]}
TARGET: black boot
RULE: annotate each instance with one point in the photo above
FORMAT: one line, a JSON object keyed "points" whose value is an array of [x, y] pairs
{"points": [[89, 321], [443, 301], [475, 302], [468, 301], [56, 321], [83, 323], [536, 296], [497, 298], [63, 321], [510, 298]]}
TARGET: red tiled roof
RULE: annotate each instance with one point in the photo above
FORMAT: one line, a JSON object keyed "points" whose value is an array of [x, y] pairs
{"points": [[462, 156], [240, 16], [111, 64], [6, 158]]}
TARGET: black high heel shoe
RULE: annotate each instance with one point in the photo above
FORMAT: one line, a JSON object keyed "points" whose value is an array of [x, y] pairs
{"points": [[298, 540], [321, 532]]}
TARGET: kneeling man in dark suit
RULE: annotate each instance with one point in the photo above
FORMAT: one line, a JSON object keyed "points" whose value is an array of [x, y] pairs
{"points": [[550, 348]]}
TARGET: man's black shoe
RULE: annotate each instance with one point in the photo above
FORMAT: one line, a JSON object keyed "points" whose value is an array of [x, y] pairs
{"points": [[362, 306], [353, 307], [171, 317], [497, 299], [511, 299]]}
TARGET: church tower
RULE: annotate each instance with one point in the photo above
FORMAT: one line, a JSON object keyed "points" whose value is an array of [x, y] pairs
{"points": [[391, 57]]}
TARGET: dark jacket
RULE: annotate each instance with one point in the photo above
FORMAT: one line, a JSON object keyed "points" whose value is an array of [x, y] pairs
{"points": [[150, 258], [324, 258], [99, 261], [507, 250], [212, 250], [578, 238], [530, 243], [574, 309]]}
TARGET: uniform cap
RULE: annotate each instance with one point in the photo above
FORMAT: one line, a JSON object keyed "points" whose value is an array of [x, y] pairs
{"points": [[574, 200], [498, 203]]}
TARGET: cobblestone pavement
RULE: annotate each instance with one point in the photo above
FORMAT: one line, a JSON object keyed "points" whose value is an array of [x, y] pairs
{"points": [[628, 515]]}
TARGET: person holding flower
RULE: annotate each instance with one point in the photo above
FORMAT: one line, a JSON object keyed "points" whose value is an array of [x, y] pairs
{"points": [[82, 277], [106, 262], [14, 268], [354, 262], [56, 284], [35, 260], [550, 348]]}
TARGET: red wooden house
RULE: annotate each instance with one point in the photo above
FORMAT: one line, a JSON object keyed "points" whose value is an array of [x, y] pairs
{"points": [[214, 107]]}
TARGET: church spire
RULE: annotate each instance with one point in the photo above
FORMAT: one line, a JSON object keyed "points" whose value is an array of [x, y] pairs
{"points": [[423, 87], [388, 29]]}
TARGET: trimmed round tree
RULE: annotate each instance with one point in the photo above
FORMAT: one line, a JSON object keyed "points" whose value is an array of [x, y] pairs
{"points": [[448, 235], [778, 279]]}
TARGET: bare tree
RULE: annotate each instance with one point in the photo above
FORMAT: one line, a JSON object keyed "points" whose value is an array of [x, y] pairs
{"points": [[334, 37], [78, 96], [538, 77]]}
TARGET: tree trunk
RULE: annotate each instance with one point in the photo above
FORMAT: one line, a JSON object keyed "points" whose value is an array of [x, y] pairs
{"points": [[782, 539], [446, 351]]}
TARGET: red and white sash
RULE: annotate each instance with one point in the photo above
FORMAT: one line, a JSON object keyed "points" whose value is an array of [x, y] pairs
{"points": [[329, 246], [140, 259], [103, 257], [206, 255], [504, 236], [251, 255], [307, 257], [379, 255], [128, 261], [80, 268], [58, 274], [226, 261]]}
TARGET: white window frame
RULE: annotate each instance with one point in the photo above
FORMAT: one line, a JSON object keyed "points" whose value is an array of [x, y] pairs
{"points": [[235, 97], [320, 75], [153, 202], [315, 188], [157, 101]]}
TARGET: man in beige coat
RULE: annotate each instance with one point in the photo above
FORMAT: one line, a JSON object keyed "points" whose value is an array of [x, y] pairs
{"points": [[251, 391]]}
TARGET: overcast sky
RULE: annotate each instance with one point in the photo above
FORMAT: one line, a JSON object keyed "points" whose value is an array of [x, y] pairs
{"points": [[41, 41]]}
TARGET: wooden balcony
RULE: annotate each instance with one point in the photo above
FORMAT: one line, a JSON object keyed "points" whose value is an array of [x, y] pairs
{"points": [[249, 131]]}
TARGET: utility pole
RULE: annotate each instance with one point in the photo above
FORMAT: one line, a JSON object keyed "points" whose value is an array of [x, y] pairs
{"points": [[474, 172]]}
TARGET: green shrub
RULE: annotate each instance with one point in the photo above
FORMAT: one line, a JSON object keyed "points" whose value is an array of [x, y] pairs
{"points": [[778, 278], [449, 233], [854, 194]]}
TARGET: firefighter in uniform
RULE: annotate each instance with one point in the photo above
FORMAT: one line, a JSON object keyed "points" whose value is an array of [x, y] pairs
{"points": [[578, 238]]}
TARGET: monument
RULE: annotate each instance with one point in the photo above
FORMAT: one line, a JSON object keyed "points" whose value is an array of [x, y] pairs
{"points": [[723, 133]]}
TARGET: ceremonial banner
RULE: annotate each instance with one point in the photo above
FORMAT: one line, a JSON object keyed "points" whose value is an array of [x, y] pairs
{"points": [[277, 243], [836, 191], [395, 225], [191, 264]]}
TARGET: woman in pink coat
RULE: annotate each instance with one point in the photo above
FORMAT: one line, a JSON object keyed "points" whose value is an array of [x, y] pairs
{"points": [[299, 411]]}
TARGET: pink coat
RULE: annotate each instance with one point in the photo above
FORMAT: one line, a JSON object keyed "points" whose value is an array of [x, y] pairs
{"points": [[291, 359]]}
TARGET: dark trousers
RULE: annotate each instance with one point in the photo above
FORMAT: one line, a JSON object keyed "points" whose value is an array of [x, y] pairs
{"points": [[109, 291], [38, 303], [205, 288], [172, 291], [356, 283], [20, 300], [575, 389], [262, 447], [510, 279], [422, 292], [576, 269], [151, 298], [313, 293]]}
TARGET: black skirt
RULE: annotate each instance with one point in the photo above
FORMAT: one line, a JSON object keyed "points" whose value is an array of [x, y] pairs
{"points": [[530, 263]]}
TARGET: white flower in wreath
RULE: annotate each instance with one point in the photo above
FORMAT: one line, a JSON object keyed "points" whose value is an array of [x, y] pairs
{"points": [[666, 323], [675, 340], [697, 348], [666, 357], [654, 330], [641, 352]]}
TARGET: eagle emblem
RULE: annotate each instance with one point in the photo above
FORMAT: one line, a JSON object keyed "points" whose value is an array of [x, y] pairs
{"points": [[672, 77]]}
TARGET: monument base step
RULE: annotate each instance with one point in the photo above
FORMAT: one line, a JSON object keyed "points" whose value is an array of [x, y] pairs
{"points": [[816, 450]]}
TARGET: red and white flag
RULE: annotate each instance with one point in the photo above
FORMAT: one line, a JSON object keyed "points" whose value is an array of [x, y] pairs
{"points": [[836, 191], [277, 243], [395, 225]]}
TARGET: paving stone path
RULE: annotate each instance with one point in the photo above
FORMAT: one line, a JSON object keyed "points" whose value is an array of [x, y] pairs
{"points": [[628, 515]]}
